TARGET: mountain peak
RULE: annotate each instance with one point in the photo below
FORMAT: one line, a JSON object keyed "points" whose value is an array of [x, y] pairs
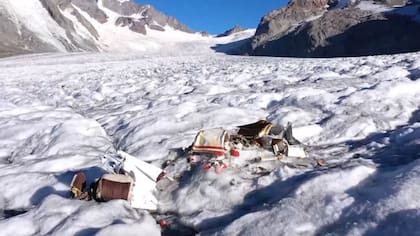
{"points": [[79, 25], [331, 28], [235, 29]]}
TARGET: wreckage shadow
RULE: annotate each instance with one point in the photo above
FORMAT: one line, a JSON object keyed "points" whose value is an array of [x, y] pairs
{"points": [[44, 192], [257, 200], [187, 176], [91, 174], [393, 161]]}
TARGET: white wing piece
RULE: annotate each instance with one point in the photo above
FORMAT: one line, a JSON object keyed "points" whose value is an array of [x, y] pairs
{"points": [[296, 151], [144, 176]]}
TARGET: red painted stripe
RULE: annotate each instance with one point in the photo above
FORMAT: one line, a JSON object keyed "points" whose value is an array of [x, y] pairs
{"points": [[211, 147]]}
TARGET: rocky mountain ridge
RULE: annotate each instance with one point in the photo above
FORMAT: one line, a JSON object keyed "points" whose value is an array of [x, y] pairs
{"points": [[76, 25], [303, 28], [233, 30], [330, 28]]}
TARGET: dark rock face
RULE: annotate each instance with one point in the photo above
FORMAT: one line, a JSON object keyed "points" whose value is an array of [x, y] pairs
{"points": [[54, 9], [138, 25], [231, 31], [18, 41], [13, 42], [123, 8], [91, 8], [279, 22], [333, 33], [132, 24]]}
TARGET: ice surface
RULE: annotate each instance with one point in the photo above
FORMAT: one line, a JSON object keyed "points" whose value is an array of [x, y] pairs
{"points": [[60, 113]]}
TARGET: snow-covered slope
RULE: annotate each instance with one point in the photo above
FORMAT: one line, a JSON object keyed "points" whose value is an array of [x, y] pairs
{"points": [[60, 113], [89, 25]]}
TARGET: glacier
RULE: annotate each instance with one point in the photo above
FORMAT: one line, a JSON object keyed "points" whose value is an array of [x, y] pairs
{"points": [[59, 114]]}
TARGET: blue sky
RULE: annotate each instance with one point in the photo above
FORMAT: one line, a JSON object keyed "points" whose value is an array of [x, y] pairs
{"points": [[216, 16]]}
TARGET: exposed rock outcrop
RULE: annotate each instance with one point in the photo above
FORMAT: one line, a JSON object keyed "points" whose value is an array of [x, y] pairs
{"points": [[235, 29], [91, 8], [147, 14], [13, 42], [278, 22], [72, 42], [316, 29]]}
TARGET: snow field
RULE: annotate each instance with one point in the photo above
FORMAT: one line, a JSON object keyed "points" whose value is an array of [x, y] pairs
{"points": [[60, 113]]}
